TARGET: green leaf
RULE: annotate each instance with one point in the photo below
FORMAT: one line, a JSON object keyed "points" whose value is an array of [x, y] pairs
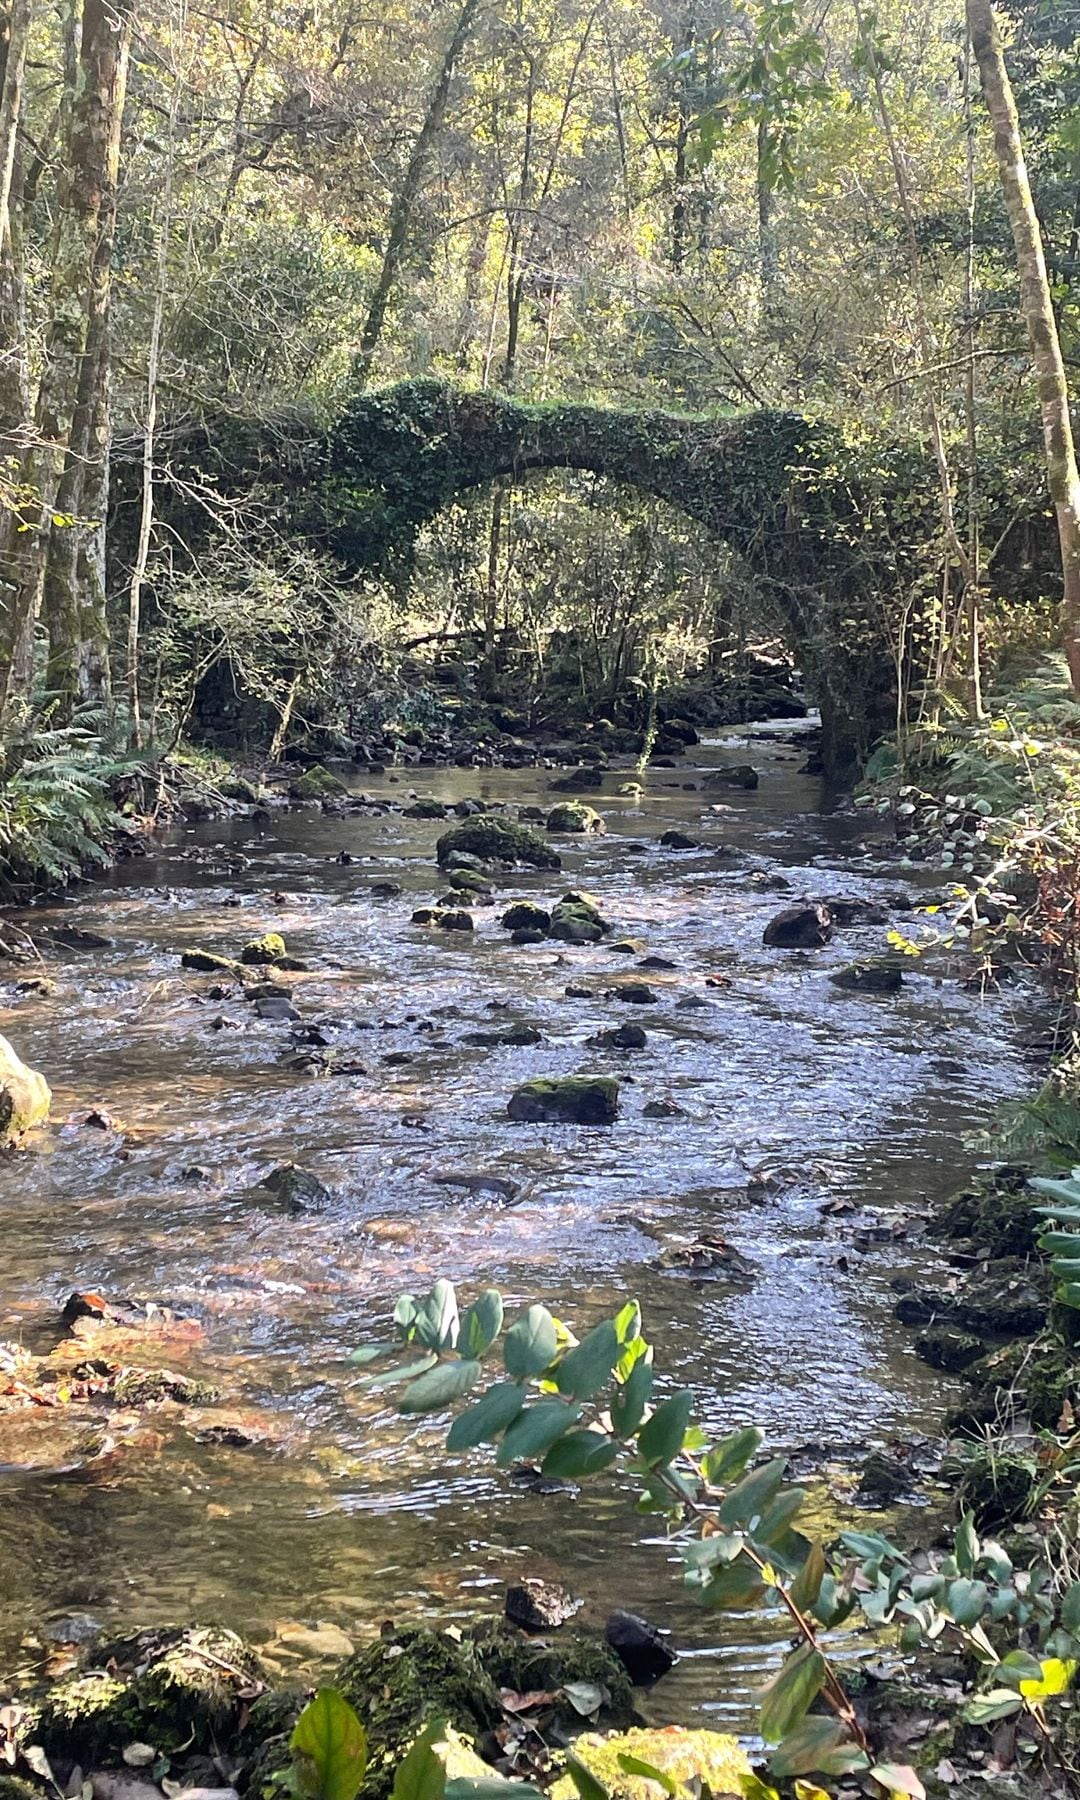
{"points": [[481, 1323], [661, 1436], [535, 1429], [817, 1745], [405, 1313], [331, 1747], [899, 1778], [999, 1703], [636, 1765], [1070, 1609], [490, 1787], [529, 1346], [479, 1424], [584, 1780], [421, 1774], [583, 1372], [966, 1546], [580, 1453], [806, 1586], [787, 1698], [440, 1387], [966, 1600], [727, 1459], [734, 1584], [1018, 1666], [436, 1322], [403, 1372], [752, 1494], [629, 1401], [370, 1352], [775, 1521]]}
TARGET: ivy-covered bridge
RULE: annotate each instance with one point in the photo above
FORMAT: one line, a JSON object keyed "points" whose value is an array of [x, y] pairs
{"points": [[768, 484]]}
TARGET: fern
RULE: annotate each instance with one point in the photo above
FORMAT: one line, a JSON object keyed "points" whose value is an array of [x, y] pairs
{"points": [[57, 801]]}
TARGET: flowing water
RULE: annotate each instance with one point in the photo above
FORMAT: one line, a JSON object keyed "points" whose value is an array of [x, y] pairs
{"points": [[795, 1094]]}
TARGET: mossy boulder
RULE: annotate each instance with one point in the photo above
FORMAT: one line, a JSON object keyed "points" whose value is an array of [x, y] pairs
{"points": [[176, 1688], [425, 809], [317, 783], [148, 1387], [469, 881], [525, 915], [577, 919], [574, 816], [269, 948], [408, 1677], [496, 840], [25, 1098], [209, 963], [566, 1100], [515, 1660], [710, 1760], [444, 918]]}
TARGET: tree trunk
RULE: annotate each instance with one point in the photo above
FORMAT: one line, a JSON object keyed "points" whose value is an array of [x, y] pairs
{"points": [[405, 199], [1037, 307]]}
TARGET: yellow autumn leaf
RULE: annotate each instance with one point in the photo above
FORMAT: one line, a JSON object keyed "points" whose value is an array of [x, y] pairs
{"points": [[1056, 1677]]}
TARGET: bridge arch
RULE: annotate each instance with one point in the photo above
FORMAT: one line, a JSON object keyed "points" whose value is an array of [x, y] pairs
{"points": [[765, 483]]}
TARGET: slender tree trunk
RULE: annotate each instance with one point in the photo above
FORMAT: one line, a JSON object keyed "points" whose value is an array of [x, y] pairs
{"points": [[1037, 306], [683, 126], [14, 373], [406, 197]]}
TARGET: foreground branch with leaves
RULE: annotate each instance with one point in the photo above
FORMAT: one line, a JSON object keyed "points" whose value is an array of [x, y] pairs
{"points": [[583, 1406]]}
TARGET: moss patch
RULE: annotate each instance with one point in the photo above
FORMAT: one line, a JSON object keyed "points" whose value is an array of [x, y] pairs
{"points": [[400, 1682], [710, 1759], [317, 783], [569, 1100], [497, 840]]}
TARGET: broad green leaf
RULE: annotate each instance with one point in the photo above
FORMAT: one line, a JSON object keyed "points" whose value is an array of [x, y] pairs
{"points": [[661, 1436], [636, 1765], [403, 1372], [775, 1521], [491, 1414], [727, 1459], [1019, 1666], [481, 1323], [806, 1586], [628, 1323], [330, 1745], [584, 1371], [580, 1453], [629, 1401], [817, 1746], [748, 1500], [370, 1352], [440, 1387], [436, 1322], [999, 1703], [490, 1787], [421, 1773], [966, 1600], [535, 1429], [405, 1313], [1070, 1609], [530, 1345], [584, 1780], [787, 1698], [734, 1584]]}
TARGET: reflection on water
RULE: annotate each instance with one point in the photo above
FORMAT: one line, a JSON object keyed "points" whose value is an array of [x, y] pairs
{"points": [[793, 1093]]}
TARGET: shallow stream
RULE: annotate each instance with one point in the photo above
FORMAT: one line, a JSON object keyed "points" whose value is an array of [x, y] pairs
{"points": [[795, 1095]]}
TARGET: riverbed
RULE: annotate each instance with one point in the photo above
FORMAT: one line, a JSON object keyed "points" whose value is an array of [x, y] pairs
{"points": [[798, 1102]]}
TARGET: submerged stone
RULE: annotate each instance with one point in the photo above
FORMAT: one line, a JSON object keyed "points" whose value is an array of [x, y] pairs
{"points": [[567, 1100], [25, 1098], [293, 1189], [496, 840], [878, 977], [209, 963]]}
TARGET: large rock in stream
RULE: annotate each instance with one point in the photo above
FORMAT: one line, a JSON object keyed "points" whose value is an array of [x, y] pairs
{"points": [[24, 1096], [803, 927], [496, 840], [566, 1100]]}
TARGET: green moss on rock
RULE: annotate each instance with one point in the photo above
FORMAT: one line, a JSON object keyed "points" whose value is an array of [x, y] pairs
{"points": [[317, 783], [266, 949], [574, 816], [708, 1759], [401, 1681], [995, 1212], [146, 1387], [526, 1664], [525, 915], [566, 1100], [496, 840], [24, 1095]]}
